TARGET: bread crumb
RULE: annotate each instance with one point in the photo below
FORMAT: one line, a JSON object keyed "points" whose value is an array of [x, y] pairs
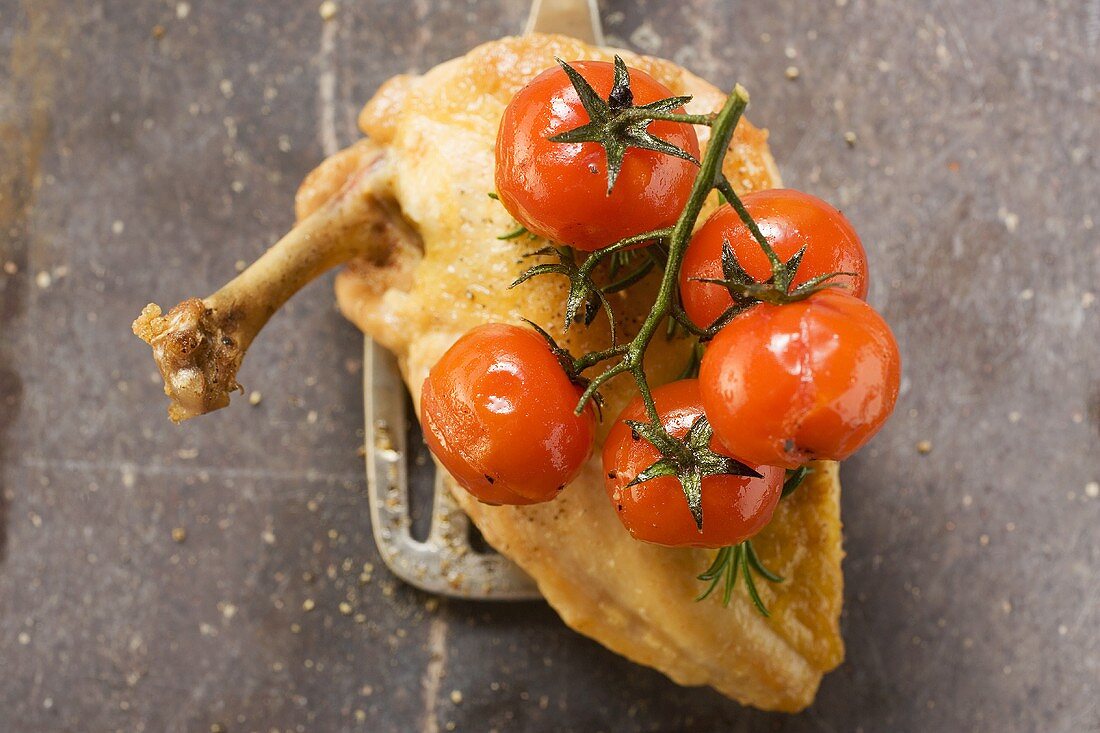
{"points": [[255, 398], [924, 447], [792, 72], [179, 534], [328, 10]]}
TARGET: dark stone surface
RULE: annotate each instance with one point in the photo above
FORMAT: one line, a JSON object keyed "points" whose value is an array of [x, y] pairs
{"points": [[134, 168]]}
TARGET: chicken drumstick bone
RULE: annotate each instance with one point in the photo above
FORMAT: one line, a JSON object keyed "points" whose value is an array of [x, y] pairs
{"points": [[198, 345]]}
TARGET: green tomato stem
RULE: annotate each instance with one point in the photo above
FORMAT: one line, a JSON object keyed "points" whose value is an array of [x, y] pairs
{"points": [[710, 173]]}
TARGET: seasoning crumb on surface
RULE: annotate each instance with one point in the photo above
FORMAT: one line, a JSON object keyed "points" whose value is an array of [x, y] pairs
{"points": [[456, 696], [179, 534], [217, 728], [308, 604], [345, 608], [43, 280], [254, 398], [159, 31], [1092, 489], [850, 138], [792, 72], [328, 10], [924, 447], [10, 267]]}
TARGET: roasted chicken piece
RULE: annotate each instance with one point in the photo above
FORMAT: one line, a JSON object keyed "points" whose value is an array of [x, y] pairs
{"points": [[408, 206]]}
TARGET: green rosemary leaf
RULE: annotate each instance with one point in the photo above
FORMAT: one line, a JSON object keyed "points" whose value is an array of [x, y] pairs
{"points": [[754, 562], [794, 479], [493, 195], [732, 567], [716, 565], [517, 232], [750, 584], [691, 370], [628, 280]]}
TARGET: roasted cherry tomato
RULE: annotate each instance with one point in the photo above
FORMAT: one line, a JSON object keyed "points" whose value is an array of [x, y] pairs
{"points": [[789, 220], [497, 411], [559, 190], [786, 384], [734, 507]]}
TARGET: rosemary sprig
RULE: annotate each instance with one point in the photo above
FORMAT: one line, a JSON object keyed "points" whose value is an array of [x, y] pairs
{"points": [[731, 563]]}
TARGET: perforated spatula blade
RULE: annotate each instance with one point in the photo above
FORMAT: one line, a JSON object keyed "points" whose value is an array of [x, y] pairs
{"points": [[445, 562]]}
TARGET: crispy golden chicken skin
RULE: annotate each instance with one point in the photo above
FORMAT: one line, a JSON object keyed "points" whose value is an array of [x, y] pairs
{"points": [[416, 295]]}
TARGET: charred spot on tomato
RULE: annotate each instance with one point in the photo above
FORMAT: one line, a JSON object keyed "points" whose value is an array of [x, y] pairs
{"points": [[611, 474]]}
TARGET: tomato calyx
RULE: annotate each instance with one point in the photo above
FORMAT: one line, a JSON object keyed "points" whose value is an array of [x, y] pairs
{"points": [[776, 290], [585, 297], [617, 124], [729, 564], [689, 459]]}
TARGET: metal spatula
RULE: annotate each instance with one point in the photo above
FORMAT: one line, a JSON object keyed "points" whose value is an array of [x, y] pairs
{"points": [[445, 562]]}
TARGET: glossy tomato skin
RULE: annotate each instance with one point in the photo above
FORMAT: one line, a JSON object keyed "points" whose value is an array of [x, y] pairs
{"points": [[809, 380], [559, 190], [497, 411], [789, 220], [734, 507]]}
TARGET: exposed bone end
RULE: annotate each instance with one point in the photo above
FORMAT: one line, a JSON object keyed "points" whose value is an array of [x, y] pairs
{"points": [[196, 353]]}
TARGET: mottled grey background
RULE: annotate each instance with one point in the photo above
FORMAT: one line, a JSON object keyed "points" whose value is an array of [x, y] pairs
{"points": [[134, 167]]}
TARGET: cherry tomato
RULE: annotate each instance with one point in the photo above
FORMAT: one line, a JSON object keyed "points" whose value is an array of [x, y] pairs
{"points": [[559, 190], [787, 384], [497, 411], [789, 220], [734, 507]]}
